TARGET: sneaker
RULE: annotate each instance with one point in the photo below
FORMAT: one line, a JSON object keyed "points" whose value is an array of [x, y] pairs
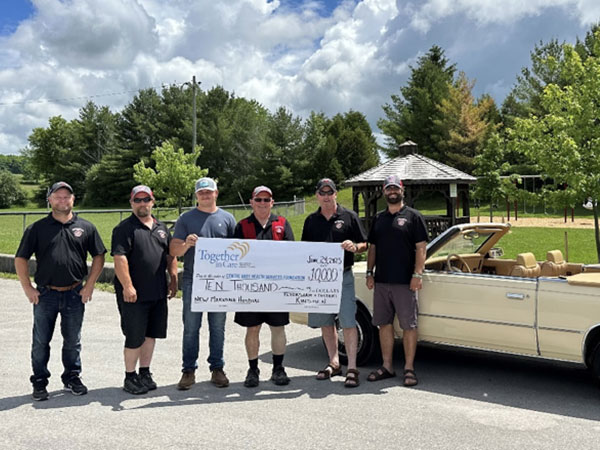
{"points": [[146, 380], [252, 378], [134, 385], [75, 385], [187, 380], [279, 376], [39, 390], [219, 379]]}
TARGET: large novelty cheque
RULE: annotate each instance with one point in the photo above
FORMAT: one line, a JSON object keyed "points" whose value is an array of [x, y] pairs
{"points": [[265, 275]]}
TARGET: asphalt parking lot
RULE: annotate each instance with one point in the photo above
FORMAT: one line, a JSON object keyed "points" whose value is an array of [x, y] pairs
{"points": [[465, 400]]}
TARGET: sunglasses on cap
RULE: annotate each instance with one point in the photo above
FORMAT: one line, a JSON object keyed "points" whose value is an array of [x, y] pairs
{"points": [[325, 193], [262, 199], [143, 199]]}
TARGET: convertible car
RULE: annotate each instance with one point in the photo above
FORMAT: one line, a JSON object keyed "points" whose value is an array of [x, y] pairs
{"points": [[473, 298]]}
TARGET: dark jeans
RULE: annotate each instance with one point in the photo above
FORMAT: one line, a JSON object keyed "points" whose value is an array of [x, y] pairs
{"points": [[71, 310]]}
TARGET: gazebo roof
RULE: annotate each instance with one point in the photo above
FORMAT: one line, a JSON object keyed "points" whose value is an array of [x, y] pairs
{"points": [[412, 169]]}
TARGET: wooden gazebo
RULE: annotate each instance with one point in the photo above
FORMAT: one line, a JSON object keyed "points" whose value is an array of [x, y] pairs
{"points": [[419, 175]]}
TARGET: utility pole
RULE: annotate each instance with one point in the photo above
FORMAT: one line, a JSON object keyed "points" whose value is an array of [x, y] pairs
{"points": [[194, 113]]}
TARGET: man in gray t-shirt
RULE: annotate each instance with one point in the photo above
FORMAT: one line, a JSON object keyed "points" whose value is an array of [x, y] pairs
{"points": [[206, 221]]}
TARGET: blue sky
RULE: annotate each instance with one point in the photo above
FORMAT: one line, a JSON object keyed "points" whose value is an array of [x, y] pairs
{"points": [[306, 55]]}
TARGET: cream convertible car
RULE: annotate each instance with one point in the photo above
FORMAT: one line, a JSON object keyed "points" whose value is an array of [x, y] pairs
{"points": [[472, 298]]}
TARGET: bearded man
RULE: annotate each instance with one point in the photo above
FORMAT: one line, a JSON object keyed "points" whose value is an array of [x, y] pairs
{"points": [[398, 239]]}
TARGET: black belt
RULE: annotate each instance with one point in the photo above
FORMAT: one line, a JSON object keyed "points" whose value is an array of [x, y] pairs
{"points": [[64, 288]]}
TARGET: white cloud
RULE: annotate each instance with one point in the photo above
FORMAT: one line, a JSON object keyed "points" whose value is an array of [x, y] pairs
{"points": [[280, 53]]}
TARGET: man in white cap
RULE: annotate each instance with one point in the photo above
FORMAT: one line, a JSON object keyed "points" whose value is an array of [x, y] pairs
{"points": [[262, 224], [140, 247], [204, 221]]}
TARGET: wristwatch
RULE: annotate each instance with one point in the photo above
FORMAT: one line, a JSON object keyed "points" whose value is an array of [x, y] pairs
{"points": [[369, 273]]}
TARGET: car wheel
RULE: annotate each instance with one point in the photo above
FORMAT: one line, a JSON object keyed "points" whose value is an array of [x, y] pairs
{"points": [[368, 338], [595, 366]]}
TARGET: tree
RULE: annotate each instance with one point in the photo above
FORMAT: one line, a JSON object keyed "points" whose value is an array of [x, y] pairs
{"points": [[463, 125], [413, 115], [172, 179], [565, 140], [10, 191]]}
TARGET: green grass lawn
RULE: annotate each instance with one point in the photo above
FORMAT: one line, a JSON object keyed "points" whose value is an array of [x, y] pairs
{"points": [[536, 240]]}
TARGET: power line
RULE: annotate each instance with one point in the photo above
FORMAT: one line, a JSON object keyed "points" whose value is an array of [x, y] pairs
{"points": [[70, 99]]}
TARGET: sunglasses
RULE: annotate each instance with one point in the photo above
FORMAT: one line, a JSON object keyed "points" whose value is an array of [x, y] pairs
{"points": [[140, 200], [326, 193], [261, 199]]}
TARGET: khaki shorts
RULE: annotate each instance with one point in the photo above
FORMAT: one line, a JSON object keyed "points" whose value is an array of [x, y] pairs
{"points": [[390, 299]]}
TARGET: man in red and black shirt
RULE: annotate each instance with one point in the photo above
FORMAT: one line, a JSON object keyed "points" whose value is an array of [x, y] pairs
{"points": [[261, 224]]}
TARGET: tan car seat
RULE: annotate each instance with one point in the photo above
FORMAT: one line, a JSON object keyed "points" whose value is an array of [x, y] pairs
{"points": [[526, 266], [554, 265]]}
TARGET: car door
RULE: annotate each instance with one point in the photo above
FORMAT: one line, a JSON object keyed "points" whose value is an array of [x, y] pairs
{"points": [[477, 310]]}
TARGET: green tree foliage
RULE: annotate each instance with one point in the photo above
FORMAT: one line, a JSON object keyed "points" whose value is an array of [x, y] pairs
{"points": [[463, 124], [172, 179], [11, 193], [565, 140], [15, 164], [413, 114]]}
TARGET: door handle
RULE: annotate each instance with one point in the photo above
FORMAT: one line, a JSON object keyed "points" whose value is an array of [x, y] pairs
{"points": [[515, 296]]}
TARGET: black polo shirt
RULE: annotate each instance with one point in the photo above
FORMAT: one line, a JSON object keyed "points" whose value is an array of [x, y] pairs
{"points": [[146, 251], [60, 249], [395, 237], [265, 233], [344, 224]]}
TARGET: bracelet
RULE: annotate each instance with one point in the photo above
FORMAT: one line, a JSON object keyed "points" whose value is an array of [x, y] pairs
{"points": [[369, 273], [417, 275]]}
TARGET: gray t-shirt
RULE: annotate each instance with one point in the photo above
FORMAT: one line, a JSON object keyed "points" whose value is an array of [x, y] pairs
{"points": [[219, 224]]}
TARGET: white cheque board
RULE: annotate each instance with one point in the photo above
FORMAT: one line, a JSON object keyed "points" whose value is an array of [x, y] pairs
{"points": [[276, 276]]}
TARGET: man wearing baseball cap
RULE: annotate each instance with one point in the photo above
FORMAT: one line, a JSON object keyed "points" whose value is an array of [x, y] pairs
{"points": [[140, 247], [334, 223], [397, 250], [61, 242], [204, 221], [262, 224]]}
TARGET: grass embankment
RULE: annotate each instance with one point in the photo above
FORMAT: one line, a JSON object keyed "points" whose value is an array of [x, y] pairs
{"points": [[537, 240]]}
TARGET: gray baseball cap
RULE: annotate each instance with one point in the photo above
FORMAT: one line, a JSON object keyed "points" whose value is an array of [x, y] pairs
{"points": [[206, 183]]}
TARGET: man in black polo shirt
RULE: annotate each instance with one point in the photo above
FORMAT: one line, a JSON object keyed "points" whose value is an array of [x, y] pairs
{"points": [[60, 242], [140, 246], [398, 239], [334, 223], [261, 224]]}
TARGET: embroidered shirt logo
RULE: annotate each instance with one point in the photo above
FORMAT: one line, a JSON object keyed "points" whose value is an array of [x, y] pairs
{"points": [[400, 221], [279, 229], [77, 232], [162, 234], [339, 224]]}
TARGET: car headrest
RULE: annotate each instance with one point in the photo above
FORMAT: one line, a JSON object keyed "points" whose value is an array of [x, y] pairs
{"points": [[526, 259], [555, 256]]}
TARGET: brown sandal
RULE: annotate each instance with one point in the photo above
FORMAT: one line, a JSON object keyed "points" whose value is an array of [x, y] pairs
{"points": [[328, 372], [410, 378], [352, 379], [380, 374]]}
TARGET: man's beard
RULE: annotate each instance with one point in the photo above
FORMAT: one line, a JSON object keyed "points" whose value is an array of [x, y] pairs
{"points": [[394, 199], [143, 212]]}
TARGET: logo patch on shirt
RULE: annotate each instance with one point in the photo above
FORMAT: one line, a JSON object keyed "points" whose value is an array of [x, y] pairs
{"points": [[77, 232], [339, 224], [278, 229], [400, 221], [162, 234]]}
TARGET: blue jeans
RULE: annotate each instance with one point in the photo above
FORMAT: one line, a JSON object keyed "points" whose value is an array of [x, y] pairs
{"points": [[192, 321], [70, 307]]}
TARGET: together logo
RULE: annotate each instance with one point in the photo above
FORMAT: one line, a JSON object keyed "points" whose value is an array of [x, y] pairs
{"points": [[243, 247]]}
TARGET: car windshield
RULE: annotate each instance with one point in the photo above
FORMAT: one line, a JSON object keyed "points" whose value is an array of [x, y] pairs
{"points": [[468, 241]]}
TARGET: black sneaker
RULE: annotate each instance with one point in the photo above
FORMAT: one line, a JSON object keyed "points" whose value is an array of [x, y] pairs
{"points": [[252, 378], [135, 386], [279, 376], [146, 379], [39, 391], [75, 385]]}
